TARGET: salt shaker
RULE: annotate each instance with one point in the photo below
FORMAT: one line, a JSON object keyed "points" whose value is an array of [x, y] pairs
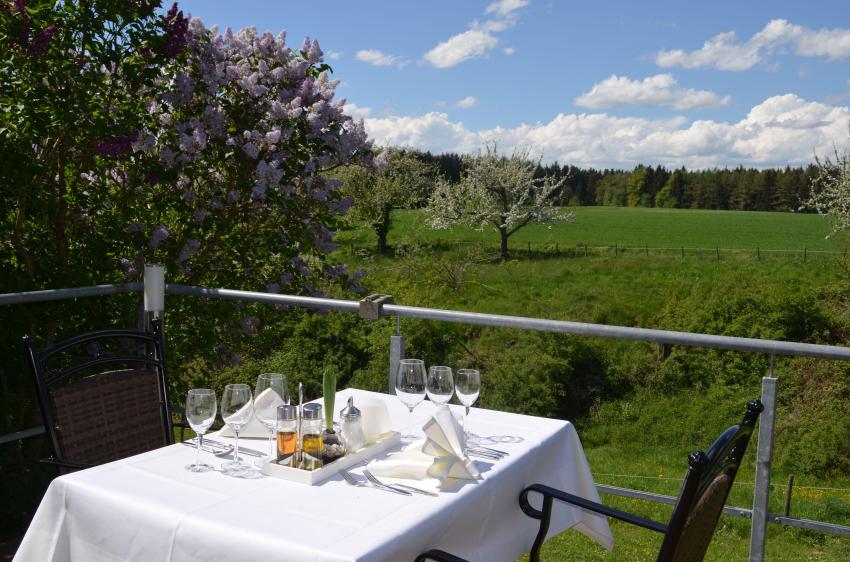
{"points": [[351, 427]]}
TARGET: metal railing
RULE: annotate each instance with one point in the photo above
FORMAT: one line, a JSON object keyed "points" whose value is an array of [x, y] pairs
{"points": [[375, 308]]}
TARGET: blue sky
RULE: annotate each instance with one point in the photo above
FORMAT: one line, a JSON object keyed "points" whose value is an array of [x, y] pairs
{"points": [[603, 84]]}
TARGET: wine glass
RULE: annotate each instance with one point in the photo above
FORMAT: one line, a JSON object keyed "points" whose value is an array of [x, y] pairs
{"points": [[467, 388], [410, 387], [200, 413], [270, 392], [236, 409], [441, 385]]}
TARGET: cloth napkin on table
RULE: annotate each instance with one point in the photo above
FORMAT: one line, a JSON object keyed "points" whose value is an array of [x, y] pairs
{"points": [[254, 427], [439, 456]]}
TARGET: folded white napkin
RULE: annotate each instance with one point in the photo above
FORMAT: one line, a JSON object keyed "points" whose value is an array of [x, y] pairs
{"points": [[254, 428], [439, 456], [374, 416]]}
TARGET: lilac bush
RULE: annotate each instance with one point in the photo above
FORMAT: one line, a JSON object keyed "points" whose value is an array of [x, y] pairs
{"points": [[239, 139]]}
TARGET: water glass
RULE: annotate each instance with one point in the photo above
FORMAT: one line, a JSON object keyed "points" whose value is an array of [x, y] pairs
{"points": [[467, 388], [441, 384], [236, 409], [270, 392], [410, 386], [201, 408]]}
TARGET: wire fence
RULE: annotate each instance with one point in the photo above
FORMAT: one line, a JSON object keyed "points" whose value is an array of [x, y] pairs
{"points": [[543, 250]]}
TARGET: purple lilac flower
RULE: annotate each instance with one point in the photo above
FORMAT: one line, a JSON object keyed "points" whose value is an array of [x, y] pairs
{"points": [[286, 278], [273, 287], [160, 233], [250, 150], [39, 44], [117, 145], [176, 27], [20, 6], [200, 216], [258, 192], [188, 249], [135, 227], [232, 196], [152, 178]]}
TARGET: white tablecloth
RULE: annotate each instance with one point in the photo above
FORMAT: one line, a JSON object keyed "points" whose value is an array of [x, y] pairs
{"points": [[147, 508]]}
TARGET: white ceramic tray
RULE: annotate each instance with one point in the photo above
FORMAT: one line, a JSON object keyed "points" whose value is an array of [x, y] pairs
{"points": [[313, 477]]}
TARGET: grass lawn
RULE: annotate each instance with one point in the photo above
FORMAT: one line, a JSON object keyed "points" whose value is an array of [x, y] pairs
{"points": [[639, 227]]}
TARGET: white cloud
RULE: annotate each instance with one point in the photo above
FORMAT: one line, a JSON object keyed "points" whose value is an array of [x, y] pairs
{"points": [[782, 130], [478, 40], [467, 102], [724, 52], [509, 50], [463, 46], [377, 58], [504, 7], [356, 111], [655, 91], [334, 55]]}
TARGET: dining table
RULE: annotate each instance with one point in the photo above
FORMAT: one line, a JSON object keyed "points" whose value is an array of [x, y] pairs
{"points": [[148, 508]]}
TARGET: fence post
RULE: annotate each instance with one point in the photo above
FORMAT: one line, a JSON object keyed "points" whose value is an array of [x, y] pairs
{"points": [[154, 280], [761, 494], [396, 355]]}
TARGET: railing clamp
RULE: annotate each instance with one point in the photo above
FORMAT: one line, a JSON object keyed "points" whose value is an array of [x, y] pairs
{"points": [[371, 306]]}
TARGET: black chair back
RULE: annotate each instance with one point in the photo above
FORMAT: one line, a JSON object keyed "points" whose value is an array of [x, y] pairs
{"points": [[704, 491], [102, 395]]}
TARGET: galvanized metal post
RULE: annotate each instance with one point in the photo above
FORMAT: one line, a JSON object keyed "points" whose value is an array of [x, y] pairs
{"points": [[761, 494], [154, 291], [396, 355]]}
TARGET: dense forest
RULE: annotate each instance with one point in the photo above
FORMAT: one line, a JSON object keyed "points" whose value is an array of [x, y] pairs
{"points": [[741, 189]]}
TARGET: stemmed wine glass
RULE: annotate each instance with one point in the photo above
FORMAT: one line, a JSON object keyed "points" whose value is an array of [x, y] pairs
{"points": [[200, 413], [467, 388], [265, 406], [410, 387], [236, 409], [441, 385]]}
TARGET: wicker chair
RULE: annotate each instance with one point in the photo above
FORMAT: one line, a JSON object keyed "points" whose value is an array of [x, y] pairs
{"points": [[102, 396], [701, 499]]}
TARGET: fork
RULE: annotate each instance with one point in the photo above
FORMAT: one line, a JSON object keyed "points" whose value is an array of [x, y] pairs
{"points": [[354, 482], [373, 479]]}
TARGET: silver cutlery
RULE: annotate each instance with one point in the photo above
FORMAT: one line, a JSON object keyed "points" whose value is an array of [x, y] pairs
{"points": [[354, 482], [220, 445], [483, 454], [496, 451], [372, 478]]}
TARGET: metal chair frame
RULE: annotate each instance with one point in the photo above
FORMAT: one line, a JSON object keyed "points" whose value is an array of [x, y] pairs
{"points": [[682, 540], [44, 379]]}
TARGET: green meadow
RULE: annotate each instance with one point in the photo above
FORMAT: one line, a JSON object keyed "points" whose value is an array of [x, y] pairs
{"points": [[639, 227]]}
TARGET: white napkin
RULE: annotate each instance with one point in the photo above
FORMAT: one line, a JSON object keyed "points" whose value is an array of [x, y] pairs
{"points": [[439, 456], [255, 428], [374, 416]]}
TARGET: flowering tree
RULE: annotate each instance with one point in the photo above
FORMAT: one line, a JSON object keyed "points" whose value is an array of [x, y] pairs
{"points": [[233, 190], [499, 192], [131, 135], [400, 179], [830, 190]]}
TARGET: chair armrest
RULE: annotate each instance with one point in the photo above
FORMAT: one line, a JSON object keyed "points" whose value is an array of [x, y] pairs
{"points": [[583, 503], [439, 556]]}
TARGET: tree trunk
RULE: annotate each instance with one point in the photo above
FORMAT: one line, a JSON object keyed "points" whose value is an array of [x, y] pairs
{"points": [[503, 248], [382, 240], [382, 229]]}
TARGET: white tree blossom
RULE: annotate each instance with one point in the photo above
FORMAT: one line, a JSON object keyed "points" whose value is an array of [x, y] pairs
{"points": [[499, 192], [830, 195]]}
